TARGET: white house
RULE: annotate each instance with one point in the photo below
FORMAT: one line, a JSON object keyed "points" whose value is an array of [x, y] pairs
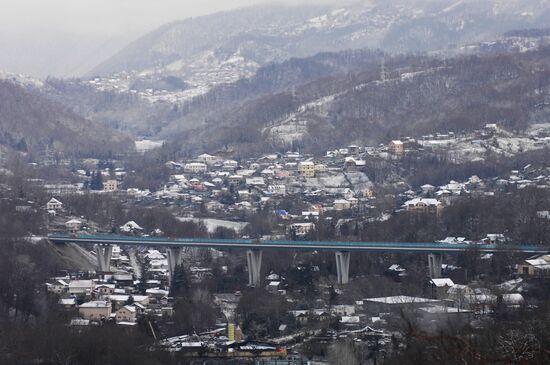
{"points": [[54, 204], [207, 159], [130, 226], [126, 314], [195, 168], [230, 165], [73, 225], [279, 189], [255, 181], [110, 185], [342, 204], [81, 286]]}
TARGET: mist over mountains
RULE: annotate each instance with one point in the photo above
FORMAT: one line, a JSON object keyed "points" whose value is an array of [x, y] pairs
{"points": [[280, 76], [257, 35]]}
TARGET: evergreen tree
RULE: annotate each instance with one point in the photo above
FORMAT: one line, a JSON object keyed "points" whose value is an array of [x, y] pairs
{"points": [[96, 182], [179, 285], [145, 265], [129, 301]]}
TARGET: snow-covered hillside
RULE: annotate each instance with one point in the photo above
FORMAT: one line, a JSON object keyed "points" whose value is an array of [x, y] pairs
{"points": [[228, 46]]}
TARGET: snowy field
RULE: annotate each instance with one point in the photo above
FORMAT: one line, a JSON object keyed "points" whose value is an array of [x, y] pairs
{"points": [[211, 224], [147, 145]]}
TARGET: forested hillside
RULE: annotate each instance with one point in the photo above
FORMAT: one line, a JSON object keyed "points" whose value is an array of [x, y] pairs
{"points": [[31, 123], [416, 95]]}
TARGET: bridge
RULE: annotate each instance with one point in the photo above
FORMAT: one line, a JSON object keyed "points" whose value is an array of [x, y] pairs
{"points": [[254, 249]]}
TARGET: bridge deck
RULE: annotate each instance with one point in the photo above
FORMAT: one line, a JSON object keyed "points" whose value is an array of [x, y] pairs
{"points": [[433, 247]]}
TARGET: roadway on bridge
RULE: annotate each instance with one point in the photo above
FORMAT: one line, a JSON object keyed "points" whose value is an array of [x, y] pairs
{"points": [[432, 247]]}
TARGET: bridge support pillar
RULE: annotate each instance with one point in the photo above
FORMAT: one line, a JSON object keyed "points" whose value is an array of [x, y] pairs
{"points": [[342, 266], [174, 256], [254, 260], [103, 253], [434, 265]]}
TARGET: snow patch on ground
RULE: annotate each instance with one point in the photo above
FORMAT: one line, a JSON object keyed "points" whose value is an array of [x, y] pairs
{"points": [[211, 223], [147, 145]]}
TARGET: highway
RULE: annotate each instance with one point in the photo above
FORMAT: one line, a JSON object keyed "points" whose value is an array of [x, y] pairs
{"points": [[431, 247]]}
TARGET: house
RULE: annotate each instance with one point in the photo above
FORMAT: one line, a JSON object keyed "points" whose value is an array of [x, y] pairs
{"points": [[306, 169], [128, 313], [396, 147], [423, 205], [120, 300], [427, 189], [273, 287], [460, 294], [342, 204], [267, 173], [321, 314], [230, 165], [110, 185], [96, 310], [351, 163], [396, 271], [350, 321], [278, 189], [195, 168], [320, 168], [235, 179], [535, 266], [207, 159], [123, 279], [58, 287], [156, 293], [440, 287], [54, 205], [301, 316], [130, 226], [301, 229], [81, 287], [353, 149], [439, 317], [255, 181], [174, 165], [77, 322], [73, 225], [343, 310], [105, 289], [67, 303]]}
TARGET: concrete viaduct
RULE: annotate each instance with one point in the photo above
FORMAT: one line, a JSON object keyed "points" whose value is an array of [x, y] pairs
{"points": [[254, 249]]}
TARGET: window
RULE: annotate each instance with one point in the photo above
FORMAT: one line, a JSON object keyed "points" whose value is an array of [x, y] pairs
{"points": [[525, 270]]}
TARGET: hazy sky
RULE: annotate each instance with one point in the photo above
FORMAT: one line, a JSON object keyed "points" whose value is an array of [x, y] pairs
{"points": [[97, 17], [68, 37]]}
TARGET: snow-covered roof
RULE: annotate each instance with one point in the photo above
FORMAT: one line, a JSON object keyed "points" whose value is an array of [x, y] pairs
{"points": [[442, 282], [130, 308], [400, 299], [514, 298], [81, 284], [95, 304], [129, 226], [422, 201]]}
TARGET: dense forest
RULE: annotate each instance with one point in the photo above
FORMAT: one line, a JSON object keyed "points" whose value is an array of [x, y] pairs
{"points": [[31, 123]]}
